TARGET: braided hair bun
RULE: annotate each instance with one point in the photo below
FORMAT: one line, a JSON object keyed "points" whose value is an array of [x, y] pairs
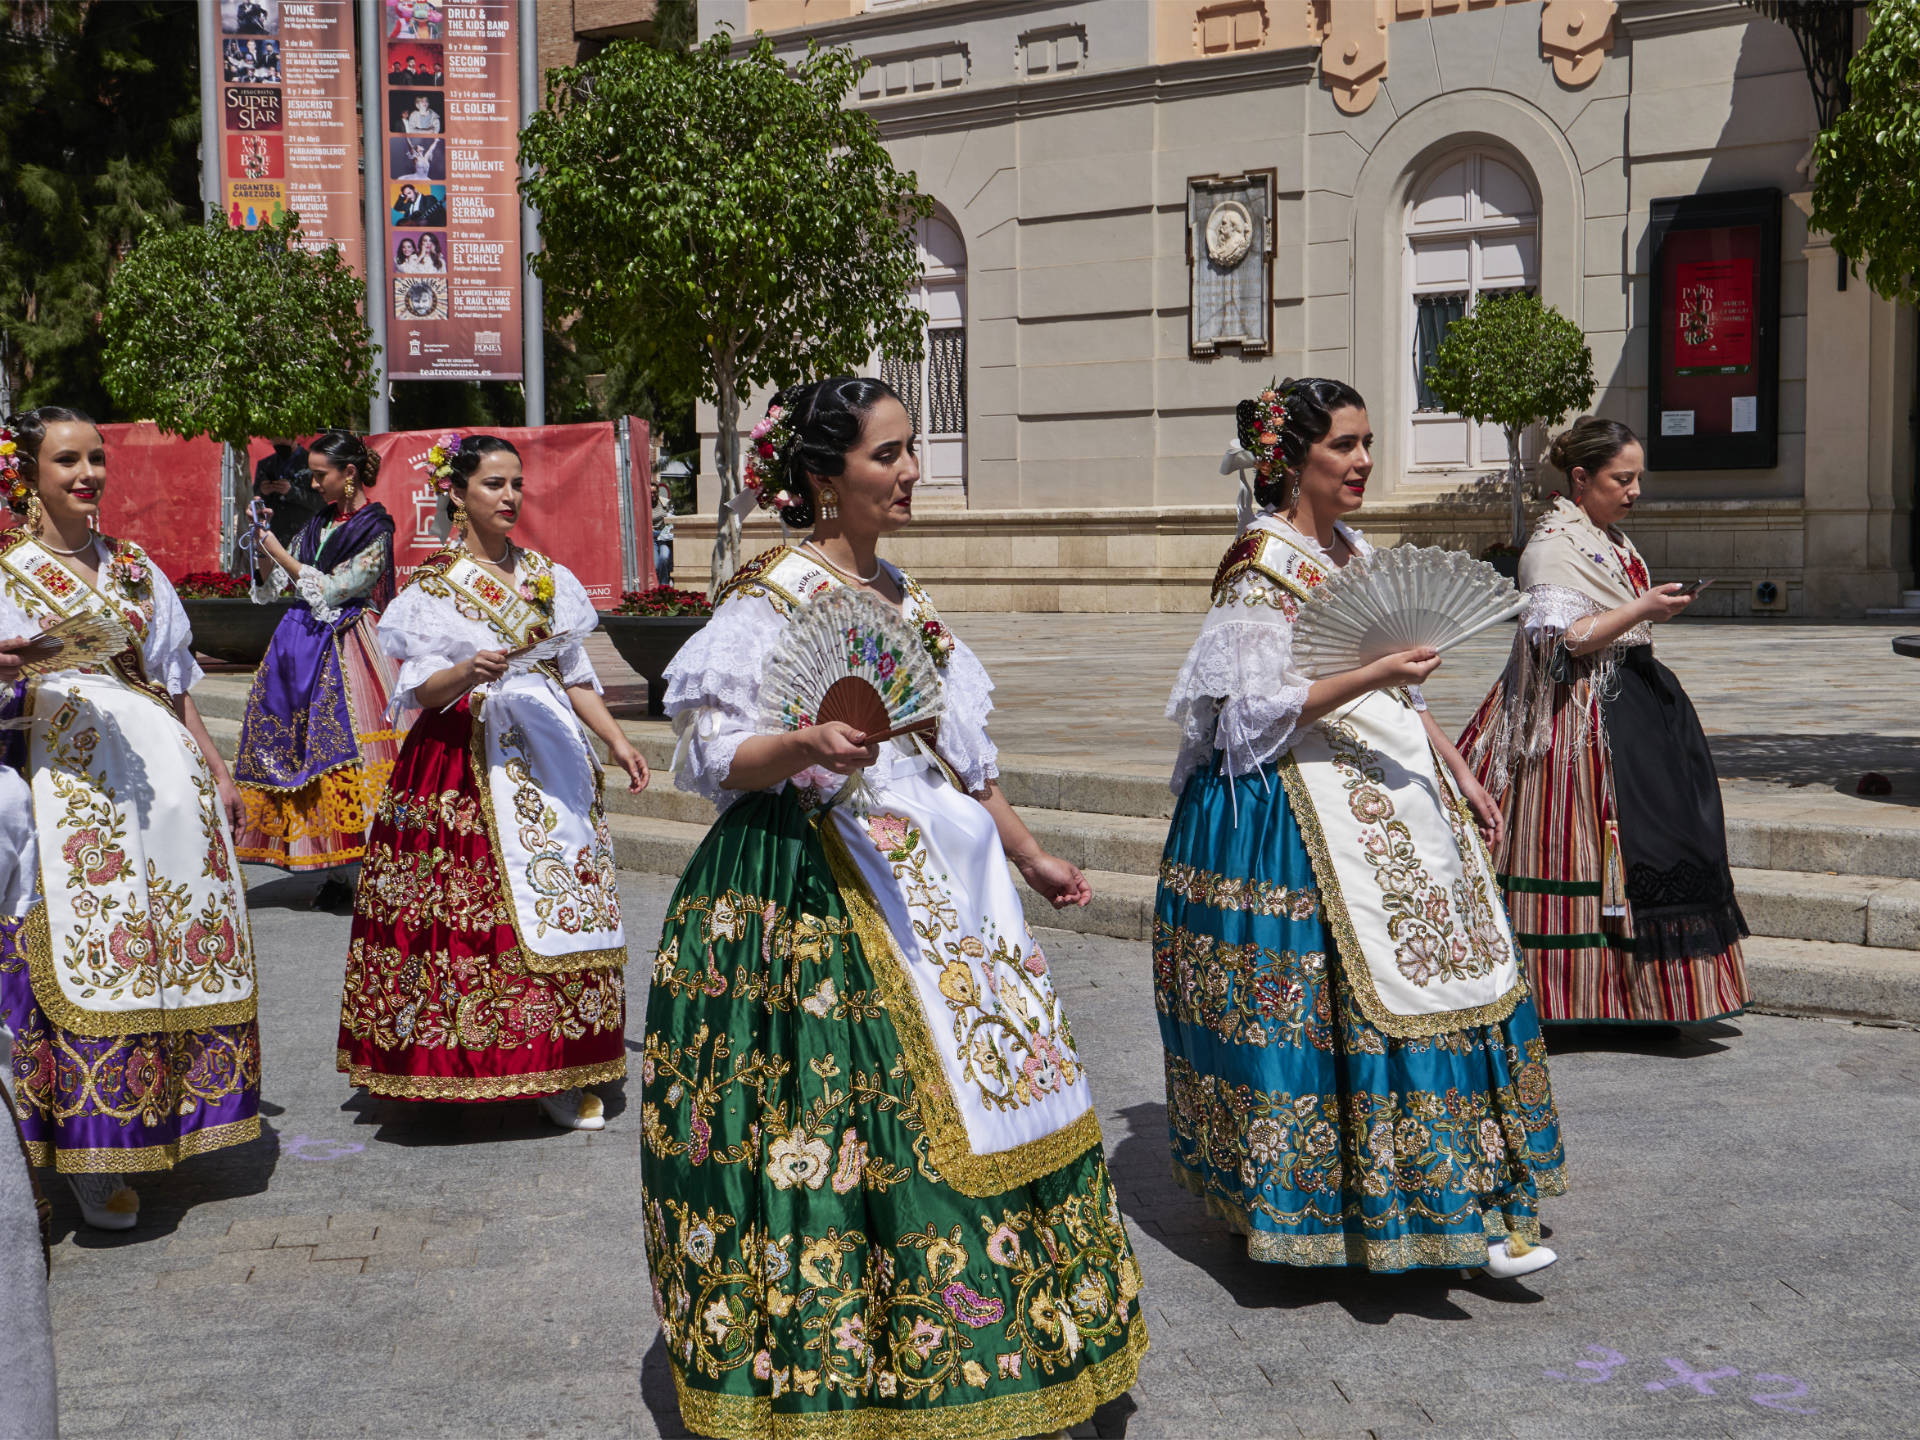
{"points": [[1284, 422], [823, 420]]}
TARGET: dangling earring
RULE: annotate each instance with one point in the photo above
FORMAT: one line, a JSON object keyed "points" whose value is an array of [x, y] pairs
{"points": [[828, 502], [346, 501], [34, 512], [460, 517]]}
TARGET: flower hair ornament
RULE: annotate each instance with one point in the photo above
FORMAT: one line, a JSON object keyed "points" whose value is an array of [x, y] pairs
{"points": [[440, 460], [771, 442], [1260, 448], [12, 479]]}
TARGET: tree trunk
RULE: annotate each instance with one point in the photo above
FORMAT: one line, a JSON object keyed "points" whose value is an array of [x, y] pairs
{"points": [[1517, 482], [726, 538]]}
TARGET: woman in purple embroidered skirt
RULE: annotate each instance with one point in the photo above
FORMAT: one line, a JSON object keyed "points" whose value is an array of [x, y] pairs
{"points": [[316, 747], [126, 964]]}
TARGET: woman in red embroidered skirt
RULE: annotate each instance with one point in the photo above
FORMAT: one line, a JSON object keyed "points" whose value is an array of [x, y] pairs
{"points": [[488, 955]]}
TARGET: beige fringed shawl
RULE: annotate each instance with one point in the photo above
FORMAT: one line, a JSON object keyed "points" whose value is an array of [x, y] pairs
{"points": [[1571, 569]]}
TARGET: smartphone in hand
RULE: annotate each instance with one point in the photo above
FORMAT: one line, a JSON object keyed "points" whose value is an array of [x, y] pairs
{"points": [[1694, 587]]}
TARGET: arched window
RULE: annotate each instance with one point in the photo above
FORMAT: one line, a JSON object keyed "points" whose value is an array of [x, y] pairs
{"points": [[935, 387], [1472, 226]]}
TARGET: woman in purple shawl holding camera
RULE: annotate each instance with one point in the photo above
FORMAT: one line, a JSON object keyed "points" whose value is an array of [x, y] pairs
{"points": [[316, 746]]}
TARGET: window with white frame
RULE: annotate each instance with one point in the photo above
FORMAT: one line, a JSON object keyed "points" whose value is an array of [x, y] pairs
{"points": [[1472, 226], [935, 386]]}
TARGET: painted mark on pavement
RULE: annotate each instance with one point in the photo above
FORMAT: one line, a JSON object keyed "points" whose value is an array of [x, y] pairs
{"points": [[1781, 1389]]}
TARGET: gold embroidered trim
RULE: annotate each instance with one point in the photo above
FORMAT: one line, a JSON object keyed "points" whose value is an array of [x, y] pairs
{"points": [[539, 964], [1333, 907], [1233, 892], [1038, 1412], [483, 1087], [144, 1158], [974, 1175], [1399, 1252], [36, 939]]}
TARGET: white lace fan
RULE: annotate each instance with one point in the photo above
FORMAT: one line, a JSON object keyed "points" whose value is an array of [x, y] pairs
{"points": [[1395, 600], [850, 656]]}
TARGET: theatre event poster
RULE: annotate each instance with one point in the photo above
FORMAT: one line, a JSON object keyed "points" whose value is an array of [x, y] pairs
{"points": [[290, 131], [1714, 330], [450, 76]]}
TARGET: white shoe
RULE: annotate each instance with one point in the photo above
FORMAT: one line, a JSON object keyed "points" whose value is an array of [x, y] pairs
{"points": [[1514, 1257], [106, 1201], [575, 1109]]}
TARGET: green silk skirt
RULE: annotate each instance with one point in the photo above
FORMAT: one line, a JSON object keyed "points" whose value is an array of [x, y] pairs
{"points": [[813, 1273]]}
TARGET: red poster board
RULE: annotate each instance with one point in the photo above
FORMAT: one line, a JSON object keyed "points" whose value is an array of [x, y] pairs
{"points": [[572, 510], [163, 493]]}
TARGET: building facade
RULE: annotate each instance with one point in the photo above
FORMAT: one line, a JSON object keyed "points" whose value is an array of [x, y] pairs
{"points": [[1147, 209]]}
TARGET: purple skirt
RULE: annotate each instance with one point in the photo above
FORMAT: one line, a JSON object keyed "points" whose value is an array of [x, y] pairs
{"points": [[124, 1103]]}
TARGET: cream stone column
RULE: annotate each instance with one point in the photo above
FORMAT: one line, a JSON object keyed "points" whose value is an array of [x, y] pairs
{"points": [[1859, 462]]}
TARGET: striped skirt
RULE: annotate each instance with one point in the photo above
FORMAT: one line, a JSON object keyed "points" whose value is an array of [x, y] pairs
{"points": [[1565, 877]]}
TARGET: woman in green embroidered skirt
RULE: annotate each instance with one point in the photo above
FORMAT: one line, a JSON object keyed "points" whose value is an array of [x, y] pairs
{"points": [[876, 1202]]}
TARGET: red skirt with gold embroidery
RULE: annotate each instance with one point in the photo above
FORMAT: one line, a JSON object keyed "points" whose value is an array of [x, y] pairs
{"points": [[440, 1003]]}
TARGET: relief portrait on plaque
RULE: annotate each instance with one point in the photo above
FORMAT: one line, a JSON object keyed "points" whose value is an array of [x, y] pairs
{"points": [[1230, 262]]}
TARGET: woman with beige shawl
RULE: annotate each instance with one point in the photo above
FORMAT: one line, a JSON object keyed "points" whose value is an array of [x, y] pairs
{"points": [[1614, 852]]}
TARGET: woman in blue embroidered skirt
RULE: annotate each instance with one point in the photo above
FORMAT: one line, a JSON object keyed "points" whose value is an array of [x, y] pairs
{"points": [[1355, 1074]]}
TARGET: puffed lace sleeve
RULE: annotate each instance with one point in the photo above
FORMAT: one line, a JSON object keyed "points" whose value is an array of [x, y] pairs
{"points": [[713, 693], [1552, 608], [963, 741], [1238, 691], [19, 851], [573, 614], [328, 592], [424, 635], [169, 645]]}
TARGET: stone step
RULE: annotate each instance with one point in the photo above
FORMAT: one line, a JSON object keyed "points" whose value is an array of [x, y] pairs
{"points": [[1881, 912], [1814, 977]]}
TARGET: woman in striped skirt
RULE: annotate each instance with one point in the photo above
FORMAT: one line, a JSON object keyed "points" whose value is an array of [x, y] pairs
{"points": [[1614, 859]]}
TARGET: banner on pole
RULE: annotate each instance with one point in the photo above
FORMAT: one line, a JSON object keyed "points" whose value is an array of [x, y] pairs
{"points": [[451, 115], [290, 122]]}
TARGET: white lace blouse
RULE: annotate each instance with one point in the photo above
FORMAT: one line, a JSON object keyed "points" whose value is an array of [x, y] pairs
{"points": [[168, 647], [426, 634], [328, 591], [713, 695], [1238, 692]]}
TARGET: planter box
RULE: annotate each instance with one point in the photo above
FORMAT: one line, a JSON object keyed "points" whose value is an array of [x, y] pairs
{"points": [[237, 631], [647, 643]]}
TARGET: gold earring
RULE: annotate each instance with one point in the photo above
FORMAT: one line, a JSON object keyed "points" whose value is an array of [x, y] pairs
{"points": [[34, 512], [459, 516], [352, 489], [829, 502]]}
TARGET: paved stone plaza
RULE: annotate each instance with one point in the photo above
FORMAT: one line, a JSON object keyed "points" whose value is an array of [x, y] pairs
{"points": [[1735, 1258], [1734, 1245]]}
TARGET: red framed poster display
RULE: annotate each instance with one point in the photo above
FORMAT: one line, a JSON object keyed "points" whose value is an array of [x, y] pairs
{"points": [[1713, 357]]}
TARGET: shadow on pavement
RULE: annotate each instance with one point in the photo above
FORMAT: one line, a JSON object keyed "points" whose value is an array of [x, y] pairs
{"points": [[1828, 761], [1180, 1221], [1669, 1042], [656, 1390], [167, 1195], [427, 1124]]}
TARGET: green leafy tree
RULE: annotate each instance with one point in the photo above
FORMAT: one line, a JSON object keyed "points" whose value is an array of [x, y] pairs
{"points": [[236, 333], [99, 129], [1513, 362], [727, 220], [1866, 187]]}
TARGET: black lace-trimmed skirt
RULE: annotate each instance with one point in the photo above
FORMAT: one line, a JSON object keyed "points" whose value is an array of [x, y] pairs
{"points": [[1673, 836]]}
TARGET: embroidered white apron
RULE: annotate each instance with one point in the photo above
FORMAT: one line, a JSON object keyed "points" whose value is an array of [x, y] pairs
{"points": [[542, 799], [1003, 1089], [1406, 883]]}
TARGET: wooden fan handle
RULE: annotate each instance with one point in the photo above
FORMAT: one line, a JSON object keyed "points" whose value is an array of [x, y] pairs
{"points": [[913, 727]]}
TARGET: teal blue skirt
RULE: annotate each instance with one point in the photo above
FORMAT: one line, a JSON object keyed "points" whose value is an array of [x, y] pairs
{"points": [[1323, 1140]]}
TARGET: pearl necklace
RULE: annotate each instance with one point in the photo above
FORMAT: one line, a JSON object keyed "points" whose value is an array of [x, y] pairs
{"points": [[849, 574], [45, 544], [505, 567]]}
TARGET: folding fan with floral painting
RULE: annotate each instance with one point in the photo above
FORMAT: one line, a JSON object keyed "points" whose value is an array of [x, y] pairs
{"points": [[849, 656]]}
